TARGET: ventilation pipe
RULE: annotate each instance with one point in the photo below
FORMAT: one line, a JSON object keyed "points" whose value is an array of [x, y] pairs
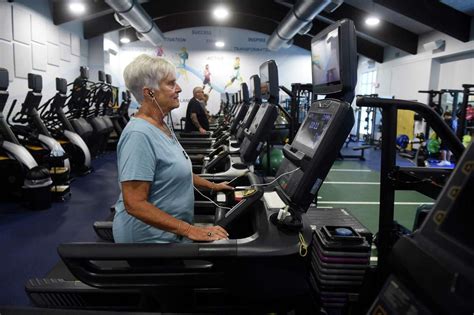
{"points": [[138, 18], [302, 13]]}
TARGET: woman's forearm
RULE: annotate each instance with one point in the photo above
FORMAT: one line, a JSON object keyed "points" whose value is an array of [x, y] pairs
{"points": [[200, 182], [154, 216]]}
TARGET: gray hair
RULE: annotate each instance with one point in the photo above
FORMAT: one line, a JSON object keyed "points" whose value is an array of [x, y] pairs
{"points": [[146, 71], [196, 89]]}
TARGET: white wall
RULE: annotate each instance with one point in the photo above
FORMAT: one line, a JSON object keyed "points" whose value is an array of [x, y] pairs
{"points": [[30, 42], [402, 75], [456, 71], [294, 63]]}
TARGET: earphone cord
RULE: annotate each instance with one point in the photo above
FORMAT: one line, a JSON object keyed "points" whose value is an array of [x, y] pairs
{"points": [[219, 206], [159, 107]]}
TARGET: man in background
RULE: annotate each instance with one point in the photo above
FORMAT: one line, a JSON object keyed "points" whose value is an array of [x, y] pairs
{"points": [[196, 117]]}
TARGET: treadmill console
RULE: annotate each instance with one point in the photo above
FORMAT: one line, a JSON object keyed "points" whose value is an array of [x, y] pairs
{"points": [[313, 152], [262, 124], [242, 111], [250, 196], [254, 100], [445, 244]]}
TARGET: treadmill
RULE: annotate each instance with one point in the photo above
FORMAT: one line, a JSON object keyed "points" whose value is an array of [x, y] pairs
{"points": [[237, 161], [258, 269], [432, 270]]}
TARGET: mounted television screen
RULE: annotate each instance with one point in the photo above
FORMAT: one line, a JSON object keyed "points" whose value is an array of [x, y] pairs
{"points": [[325, 59], [264, 82], [334, 70], [244, 92], [269, 82], [254, 87]]}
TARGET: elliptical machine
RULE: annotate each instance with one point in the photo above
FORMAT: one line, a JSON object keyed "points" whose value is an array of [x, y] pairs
{"points": [[94, 130], [58, 125], [32, 133], [20, 175]]}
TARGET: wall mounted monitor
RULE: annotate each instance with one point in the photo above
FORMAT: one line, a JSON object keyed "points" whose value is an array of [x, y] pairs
{"points": [[244, 92], [269, 82], [334, 59], [254, 88]]}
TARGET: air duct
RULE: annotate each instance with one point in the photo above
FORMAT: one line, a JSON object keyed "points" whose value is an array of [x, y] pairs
{"points": [[302, 13], [139, 19]]}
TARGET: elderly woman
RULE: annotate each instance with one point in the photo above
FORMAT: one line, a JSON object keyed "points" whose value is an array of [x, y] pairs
{"points": [[157, 200]]}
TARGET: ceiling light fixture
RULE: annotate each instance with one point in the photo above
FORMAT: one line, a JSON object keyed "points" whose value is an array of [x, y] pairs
{"points": [[77, 7], [372, 21], [221, 13], [220, 44], [125, 40]]}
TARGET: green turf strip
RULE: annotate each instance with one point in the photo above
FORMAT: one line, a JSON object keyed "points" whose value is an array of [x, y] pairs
{"points": [[368, 215], [363, 189]]}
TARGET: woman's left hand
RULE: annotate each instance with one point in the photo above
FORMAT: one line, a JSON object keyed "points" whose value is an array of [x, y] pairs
{"points": [[222, 186]]}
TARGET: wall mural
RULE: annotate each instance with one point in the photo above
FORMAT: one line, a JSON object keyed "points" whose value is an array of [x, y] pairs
{"points": [[218, 70]]}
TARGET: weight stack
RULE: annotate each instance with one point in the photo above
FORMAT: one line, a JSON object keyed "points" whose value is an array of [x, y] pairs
{"points": [[339, 259]]}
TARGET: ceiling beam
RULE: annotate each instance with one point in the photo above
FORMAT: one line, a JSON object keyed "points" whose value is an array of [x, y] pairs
{"points": [[386, 32], [159, 9], [370, 50], [258, 16], [435, 14]]}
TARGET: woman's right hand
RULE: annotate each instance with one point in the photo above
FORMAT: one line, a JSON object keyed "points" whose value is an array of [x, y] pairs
{"points": [[210, 233]]}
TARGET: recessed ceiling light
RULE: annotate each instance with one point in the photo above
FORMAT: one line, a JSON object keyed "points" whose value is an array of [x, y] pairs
{"points": [[221, 13], [77, 7], [125, 40], [372, 21], [220, 44]]}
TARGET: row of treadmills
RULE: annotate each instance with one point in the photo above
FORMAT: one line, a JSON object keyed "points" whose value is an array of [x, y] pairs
{"points": [[281, 255]]}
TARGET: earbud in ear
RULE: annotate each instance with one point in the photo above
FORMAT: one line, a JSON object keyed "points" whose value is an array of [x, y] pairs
{"points": [[151, 93]]}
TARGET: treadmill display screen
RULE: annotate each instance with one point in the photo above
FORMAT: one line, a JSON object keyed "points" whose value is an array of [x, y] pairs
{"points": [[247, 115], [313, 128], [325, 60], [258, 118], [251, 88], [265, 82]]}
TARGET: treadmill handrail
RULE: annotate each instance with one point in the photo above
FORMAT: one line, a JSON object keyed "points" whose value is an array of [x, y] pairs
{"points": [[106, 251], [433, 119]]}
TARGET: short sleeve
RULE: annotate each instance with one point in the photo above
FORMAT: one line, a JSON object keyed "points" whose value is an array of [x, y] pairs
{"points": [[136, 158], [194, 108]]}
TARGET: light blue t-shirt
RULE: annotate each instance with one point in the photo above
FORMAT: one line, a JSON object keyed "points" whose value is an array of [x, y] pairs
{"points": [[145, 153]]}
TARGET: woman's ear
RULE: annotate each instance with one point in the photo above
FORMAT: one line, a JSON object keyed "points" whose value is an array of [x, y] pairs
{"points": [[149, 92]]}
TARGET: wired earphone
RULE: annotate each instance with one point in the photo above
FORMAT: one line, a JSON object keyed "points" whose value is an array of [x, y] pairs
{"points": [[152, 95]]}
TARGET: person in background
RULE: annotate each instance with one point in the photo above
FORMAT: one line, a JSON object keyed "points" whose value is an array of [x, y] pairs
{"points": [[156, 204], [444, 151], [196, 118]]}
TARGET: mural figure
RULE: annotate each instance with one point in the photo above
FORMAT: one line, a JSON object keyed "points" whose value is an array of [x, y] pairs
{"points": [[236, 75], [207, 78], [160, 52], [183, 55], [181, 67]]}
